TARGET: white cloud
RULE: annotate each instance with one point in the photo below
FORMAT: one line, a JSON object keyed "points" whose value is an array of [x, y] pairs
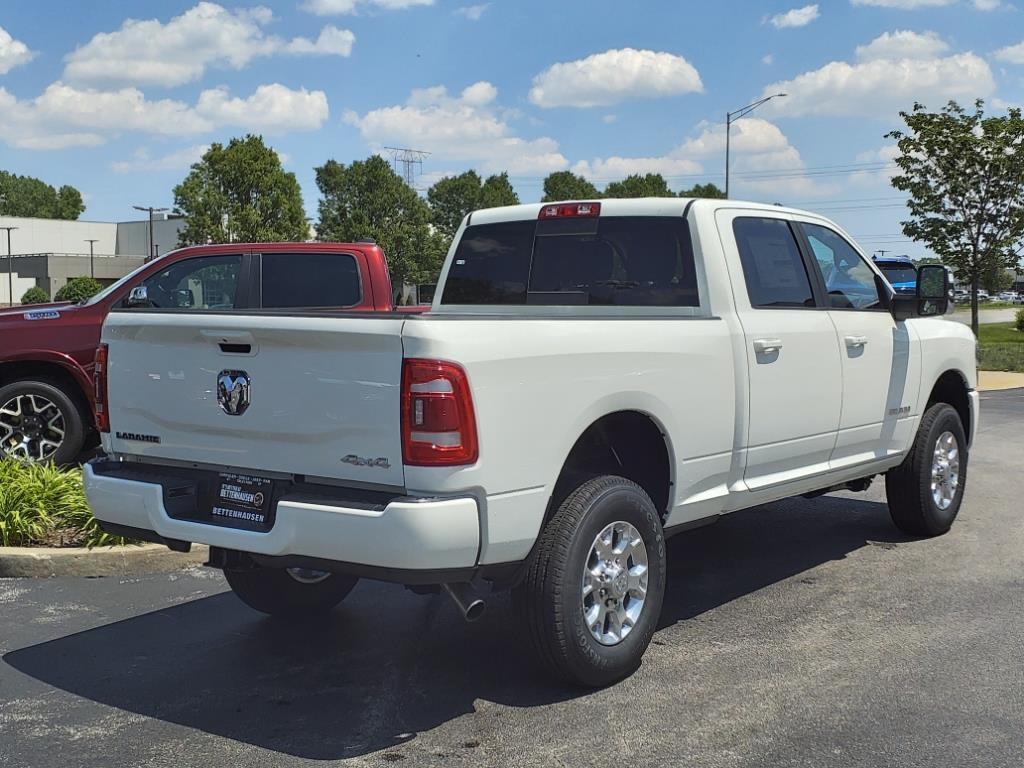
{"points": [[13, 53], [467, 128], [174, 161], [331, 42], [66, 116], [342, 7], [614, 76], [986, 5], [905, 5], [796, 17], [885, 79], [903, 44], [768, 59], [609, 119], [473, 12], [1011, 54], [151, 52], [756, 146], [883, 157]]}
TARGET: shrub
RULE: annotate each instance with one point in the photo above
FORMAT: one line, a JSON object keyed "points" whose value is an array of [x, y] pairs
{"points": [[35, 295], [43, 504], [78, 289], [1020, 320]]}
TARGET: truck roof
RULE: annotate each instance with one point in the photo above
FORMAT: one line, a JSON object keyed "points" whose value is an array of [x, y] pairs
{"points": [[636, 206]]}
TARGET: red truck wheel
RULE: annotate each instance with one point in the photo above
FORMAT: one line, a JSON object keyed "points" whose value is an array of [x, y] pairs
{"points": [[40, 422]]}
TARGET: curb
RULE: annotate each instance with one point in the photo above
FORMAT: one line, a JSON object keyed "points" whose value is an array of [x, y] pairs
{"points": [[47, 562]]}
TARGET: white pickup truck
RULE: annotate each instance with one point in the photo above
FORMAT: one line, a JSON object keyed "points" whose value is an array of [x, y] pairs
{"points": [[592, 378]]}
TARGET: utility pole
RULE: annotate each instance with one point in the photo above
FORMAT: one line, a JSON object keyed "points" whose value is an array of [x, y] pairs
{"points": [[92, 266], [730, 118], [150, 210], [10, 268], [881, 252], [410, 160]]}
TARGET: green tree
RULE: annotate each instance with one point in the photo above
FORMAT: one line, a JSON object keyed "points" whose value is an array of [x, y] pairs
{"points": [[451, 199], [35, 295], [708, 190], [28, 196], [566, 185], [496, 192], [964, 174], [240, 193], [367, 199], [635, 185], [78, 289]]}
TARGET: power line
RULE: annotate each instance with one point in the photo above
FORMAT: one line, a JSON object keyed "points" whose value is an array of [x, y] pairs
{"points": [[411, 159]]}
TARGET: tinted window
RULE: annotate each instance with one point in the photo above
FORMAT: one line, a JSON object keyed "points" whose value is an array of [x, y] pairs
{"points": [[773, 268], [897, 273], [205, 282], [849, 281], [295, 280], [491, 265], [611, 261]]}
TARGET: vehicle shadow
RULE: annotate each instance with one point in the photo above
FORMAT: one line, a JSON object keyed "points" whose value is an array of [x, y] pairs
{"points": [[388, 664]]}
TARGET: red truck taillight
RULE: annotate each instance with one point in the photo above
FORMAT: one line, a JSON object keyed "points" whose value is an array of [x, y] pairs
{"points": [[99, 379], [438, 422]]}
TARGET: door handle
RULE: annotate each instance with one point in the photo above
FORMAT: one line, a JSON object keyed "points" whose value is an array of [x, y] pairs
{"points": [[764, 346], [855, 341]]}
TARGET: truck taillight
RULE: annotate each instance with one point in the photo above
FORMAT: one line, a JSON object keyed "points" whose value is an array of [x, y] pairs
{"points": [[99, 378], [570, 211], [438, 422]]}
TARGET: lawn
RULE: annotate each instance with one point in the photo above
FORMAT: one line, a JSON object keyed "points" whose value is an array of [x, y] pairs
{"points": [[1000, 347]]}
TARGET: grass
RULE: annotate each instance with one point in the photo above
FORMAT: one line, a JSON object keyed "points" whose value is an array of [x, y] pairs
{"points": [[987, 305], [1000, 347], [44, 505]]}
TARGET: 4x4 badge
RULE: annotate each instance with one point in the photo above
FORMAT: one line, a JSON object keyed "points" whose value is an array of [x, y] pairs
{"points": [[234, 392]]}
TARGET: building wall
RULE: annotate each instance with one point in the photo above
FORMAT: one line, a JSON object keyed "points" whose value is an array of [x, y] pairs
{"points": [[133, 236], [57, 236], [21, 284]]}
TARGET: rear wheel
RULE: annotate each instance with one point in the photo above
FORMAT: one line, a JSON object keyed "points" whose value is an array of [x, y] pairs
{"points": [[593, 589], [39, 421], [926, 490], [291, 592]]}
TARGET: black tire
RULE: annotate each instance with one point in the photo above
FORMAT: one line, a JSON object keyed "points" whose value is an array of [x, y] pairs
{"points": [[276, 592], [75, 414], [908, 486], [549, 599]]}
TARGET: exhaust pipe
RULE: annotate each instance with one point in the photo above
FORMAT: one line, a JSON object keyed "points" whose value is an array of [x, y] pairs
{"points": [[469, 603]]}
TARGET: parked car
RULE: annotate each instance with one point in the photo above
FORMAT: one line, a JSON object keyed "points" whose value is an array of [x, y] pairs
{"points": [[899, 271], [593, 377], [47, 351]]}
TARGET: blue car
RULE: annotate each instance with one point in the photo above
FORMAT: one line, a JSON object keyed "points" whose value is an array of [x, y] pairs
{"points": [[899, 271]]}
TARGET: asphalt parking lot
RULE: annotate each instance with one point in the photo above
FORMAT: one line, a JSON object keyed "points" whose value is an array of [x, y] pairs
{"points": [[804, 633]]}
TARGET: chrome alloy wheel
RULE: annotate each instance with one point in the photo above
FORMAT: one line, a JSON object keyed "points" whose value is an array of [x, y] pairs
{"points": [[614, 583], [31, 428], [945, 470], [308, 575]]}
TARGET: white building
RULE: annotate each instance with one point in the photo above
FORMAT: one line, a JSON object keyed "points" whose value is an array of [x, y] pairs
{"points": [[49, 252]]}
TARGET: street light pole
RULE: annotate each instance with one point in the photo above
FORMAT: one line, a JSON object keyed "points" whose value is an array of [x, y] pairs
{"points": [[10, 268], [92, 267], [730, 118], [150, 210]]}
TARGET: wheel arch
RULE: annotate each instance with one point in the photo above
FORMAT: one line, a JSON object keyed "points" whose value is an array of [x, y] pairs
{"points": [[951, 387], [54, 367], [629, 441]]}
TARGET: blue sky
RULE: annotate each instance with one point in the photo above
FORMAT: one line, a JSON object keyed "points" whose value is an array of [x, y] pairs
{"points": [[118, 99]]}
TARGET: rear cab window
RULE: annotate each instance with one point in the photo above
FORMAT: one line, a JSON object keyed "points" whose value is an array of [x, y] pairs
{"points": [[309, 280], [626, 261]]}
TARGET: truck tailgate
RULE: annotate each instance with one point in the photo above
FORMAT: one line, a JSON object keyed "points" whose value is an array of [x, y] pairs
{"points": [[322, 401]]}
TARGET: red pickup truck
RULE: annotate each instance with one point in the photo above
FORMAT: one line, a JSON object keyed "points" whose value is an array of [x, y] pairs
{"points": [[47, 350]]}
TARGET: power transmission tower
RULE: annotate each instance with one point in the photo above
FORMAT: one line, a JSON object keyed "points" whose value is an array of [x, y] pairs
{"points": [[411, 159]]}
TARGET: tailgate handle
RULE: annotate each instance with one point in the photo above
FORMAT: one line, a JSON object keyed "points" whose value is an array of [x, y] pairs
{"points": [[235, 349]]}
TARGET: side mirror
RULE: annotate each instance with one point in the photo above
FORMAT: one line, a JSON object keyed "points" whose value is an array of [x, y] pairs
{"points": [[138, 296], [931, 297]]}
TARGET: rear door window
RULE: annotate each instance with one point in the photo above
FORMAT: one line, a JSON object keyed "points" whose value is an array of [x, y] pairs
{"points": [[609, 261], [310, 280], [773, 268]]}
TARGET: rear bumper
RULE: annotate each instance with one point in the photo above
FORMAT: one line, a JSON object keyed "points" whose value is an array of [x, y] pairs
{"points": [[402, 537]]}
